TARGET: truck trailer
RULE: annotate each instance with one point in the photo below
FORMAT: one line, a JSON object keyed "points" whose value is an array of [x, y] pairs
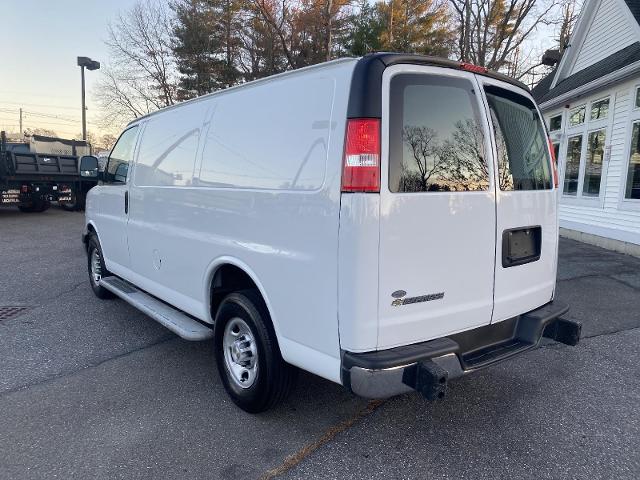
{"points": [[32, 180]]}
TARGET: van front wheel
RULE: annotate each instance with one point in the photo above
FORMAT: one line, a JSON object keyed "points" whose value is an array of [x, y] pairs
{"points": [[96, 267], [247, 355]]}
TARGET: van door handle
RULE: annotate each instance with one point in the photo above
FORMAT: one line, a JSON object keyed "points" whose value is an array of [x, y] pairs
{"points": [[126, 201]]}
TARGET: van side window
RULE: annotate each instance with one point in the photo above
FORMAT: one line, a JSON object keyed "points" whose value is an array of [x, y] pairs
{"points": [[168, 147], [521, 141], [436, 141], [120, 157], [246, 148]]}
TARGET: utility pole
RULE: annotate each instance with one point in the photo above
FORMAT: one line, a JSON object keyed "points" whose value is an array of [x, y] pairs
{"points": [[21, 132]]}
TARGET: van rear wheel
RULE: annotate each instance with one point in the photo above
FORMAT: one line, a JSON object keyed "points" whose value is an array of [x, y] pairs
{"points": [[247, 354]]}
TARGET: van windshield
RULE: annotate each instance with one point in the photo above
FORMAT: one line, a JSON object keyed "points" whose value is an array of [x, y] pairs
{"points": [[521, 141]]}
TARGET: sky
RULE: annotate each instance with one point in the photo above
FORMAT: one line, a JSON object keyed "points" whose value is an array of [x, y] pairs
{"points": [[40, 42]]}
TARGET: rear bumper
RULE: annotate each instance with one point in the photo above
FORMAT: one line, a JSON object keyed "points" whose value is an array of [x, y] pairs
{"points": [[428, 366]]}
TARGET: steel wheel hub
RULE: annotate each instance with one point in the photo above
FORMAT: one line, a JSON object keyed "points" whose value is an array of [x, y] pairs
{"points": [[96, 266], [240, 352]]}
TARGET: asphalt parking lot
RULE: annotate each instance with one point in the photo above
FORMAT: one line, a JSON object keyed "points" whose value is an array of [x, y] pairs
{"points": [[94, 389]]}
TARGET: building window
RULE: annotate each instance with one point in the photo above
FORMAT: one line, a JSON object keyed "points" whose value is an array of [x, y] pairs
{"points": [[555, 123], [593, 164], [572, 165], [600, 109], [632, 190], [637, 97], [576, 116]]}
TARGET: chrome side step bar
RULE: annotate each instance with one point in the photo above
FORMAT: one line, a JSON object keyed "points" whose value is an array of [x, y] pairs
{"points": [[175, 320]]}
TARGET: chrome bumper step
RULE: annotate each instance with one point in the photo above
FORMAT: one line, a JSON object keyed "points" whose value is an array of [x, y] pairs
{"points": [[428, 366], [178, 322]]}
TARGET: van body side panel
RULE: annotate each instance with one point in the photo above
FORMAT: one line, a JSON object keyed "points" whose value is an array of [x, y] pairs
{"points": [[111, 215], [265, 190], [358, 271], [161, 213]]}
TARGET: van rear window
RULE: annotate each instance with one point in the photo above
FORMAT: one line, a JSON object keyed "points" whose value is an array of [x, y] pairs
{"points": [[523, 152], [436, 141]]}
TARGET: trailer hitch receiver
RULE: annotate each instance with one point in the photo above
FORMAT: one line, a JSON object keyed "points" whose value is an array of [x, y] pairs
{"points": [[427, 378], [563, 331]]}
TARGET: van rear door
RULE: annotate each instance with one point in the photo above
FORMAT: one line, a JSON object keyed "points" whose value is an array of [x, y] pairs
{"points": [[437, 206], [527, 229]]}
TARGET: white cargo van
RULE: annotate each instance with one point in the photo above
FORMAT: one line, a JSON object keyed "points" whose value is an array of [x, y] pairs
{"points": [[387, 223]]}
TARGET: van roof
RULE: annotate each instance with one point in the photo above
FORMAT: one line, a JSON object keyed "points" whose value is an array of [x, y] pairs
{"points": [[366, 84], [365, 100], [248, 84]]}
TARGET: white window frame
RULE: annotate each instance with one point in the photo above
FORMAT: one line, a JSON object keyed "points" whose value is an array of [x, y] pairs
{"points": [[584, 129], [564, 151], [634, 93], [553, 115], [634, 117], [606, 97], [586, 117], [583, 161]]}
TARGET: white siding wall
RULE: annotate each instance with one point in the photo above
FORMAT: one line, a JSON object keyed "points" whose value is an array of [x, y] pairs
{"points": [[609, 32], [619, 143], [608, 216]]}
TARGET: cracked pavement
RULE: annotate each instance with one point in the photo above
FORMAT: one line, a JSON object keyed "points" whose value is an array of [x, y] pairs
{"points": [[94, 389]]}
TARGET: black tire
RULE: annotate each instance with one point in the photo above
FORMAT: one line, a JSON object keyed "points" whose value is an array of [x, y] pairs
{"points": [[275, 378], [42, 205], [93, 245], [70, 206], [77, 203], [36, 206]]}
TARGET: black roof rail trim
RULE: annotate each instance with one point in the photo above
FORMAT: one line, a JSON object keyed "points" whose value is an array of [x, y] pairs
{"points": [[365, 98]]}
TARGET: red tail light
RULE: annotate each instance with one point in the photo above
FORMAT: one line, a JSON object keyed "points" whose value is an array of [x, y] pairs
{"points": [[361, 167], [554, 164], [470, 67]]}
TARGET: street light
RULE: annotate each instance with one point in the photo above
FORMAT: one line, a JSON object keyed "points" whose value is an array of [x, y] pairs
{"points": [[91, 65]]}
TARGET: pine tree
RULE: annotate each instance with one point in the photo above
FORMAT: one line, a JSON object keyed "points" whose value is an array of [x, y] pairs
{"points": [[194, 47], [365, 30], [416, 26], [206, 45]]}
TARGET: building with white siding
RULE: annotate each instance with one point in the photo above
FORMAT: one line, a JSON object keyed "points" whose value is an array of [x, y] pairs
{"points": [[591, 102]]}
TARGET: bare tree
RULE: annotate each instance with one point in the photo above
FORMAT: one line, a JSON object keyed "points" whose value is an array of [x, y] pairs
{"points": [[492, 32], [422, 143], [570, 9], [140, 76], [305, 28], [45, 132], [99, 143], [463, 153], [530, 69], [123, 97], [277, 14], [260, 51]]}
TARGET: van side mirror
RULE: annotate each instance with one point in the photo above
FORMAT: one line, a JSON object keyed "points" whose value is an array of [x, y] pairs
{"points": [[89, 166]]}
